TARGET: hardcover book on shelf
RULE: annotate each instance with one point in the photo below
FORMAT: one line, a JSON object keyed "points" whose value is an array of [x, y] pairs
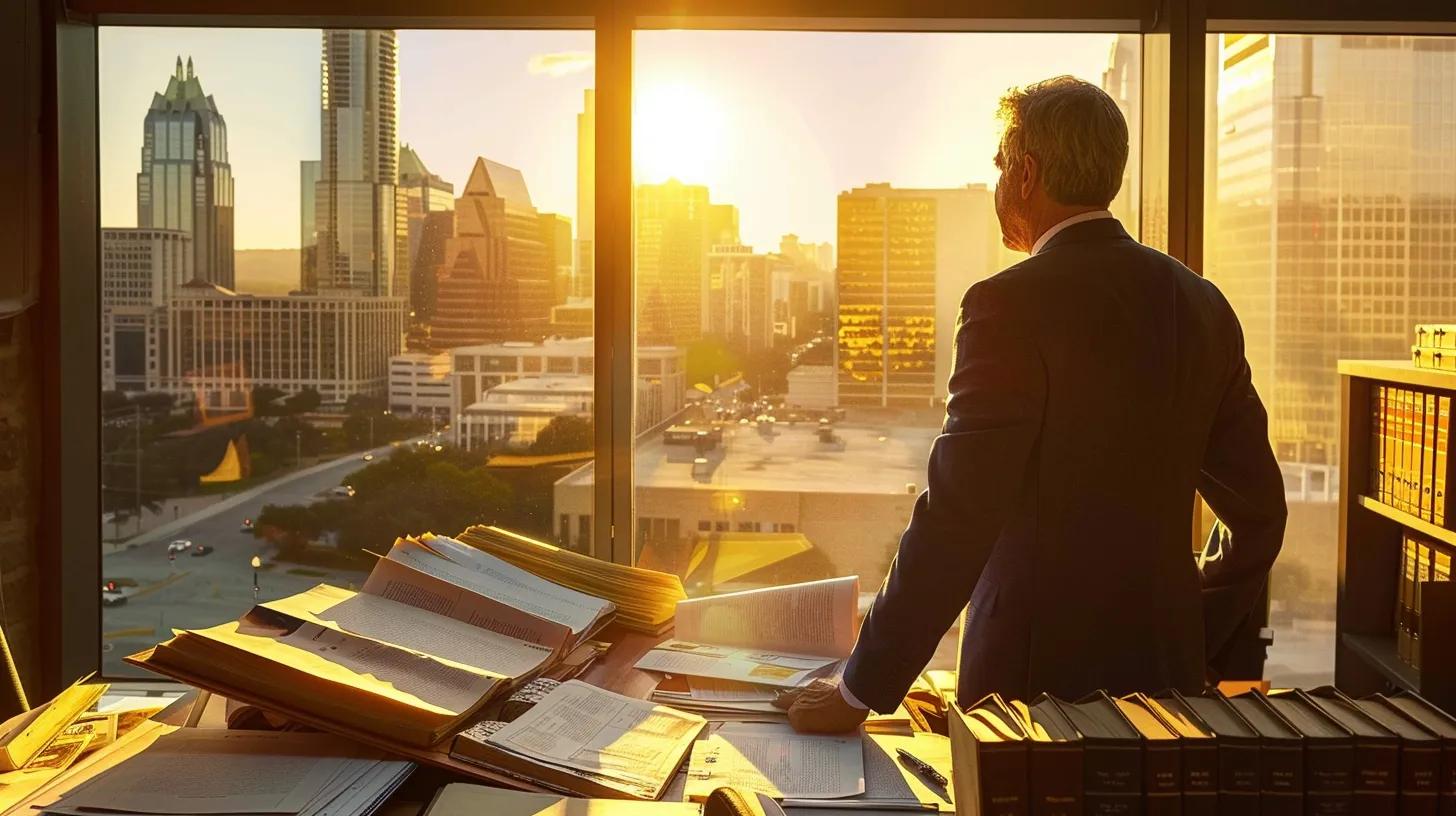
{"points": [[1054, 755], [1281, 756], [1443, 726], [1376, 757], [1420, 757], [1112, 756], [1198, 746], [990, 763], [1329, 754], [1239, 772], [1162, 756]]}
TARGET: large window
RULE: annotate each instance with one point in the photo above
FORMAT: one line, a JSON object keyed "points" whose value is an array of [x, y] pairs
{"points": [[810, 208], [1330, 225], [346, 295]]}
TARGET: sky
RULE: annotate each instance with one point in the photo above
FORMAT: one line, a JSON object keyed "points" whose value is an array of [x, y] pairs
{"points": [[777, 123]]}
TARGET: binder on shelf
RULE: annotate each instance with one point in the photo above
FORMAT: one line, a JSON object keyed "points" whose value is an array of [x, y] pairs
{"points": [[1281, 756], [1420, 757], [1329, 754], [1443, 726], [1428, 454], [1198, 745], [990, 759], [1239, 774], [1376, 752], [1054, 756], [1442, 474], [1112, 749], [1162, 756]]}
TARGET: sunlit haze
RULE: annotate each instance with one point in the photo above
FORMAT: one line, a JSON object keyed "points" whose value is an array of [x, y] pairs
{"points": [[777, 123]]}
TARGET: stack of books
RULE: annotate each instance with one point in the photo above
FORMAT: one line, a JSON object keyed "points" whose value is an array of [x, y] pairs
{"points": [[1410, 451], [1293, 752], [1435, 346], [1423, 561], [645, 599]]}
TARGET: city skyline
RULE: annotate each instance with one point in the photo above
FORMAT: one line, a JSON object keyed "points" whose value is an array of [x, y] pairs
{"points": [[939, 133]]}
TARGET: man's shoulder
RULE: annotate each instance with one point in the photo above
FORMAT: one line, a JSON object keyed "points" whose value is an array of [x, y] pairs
{"points": [[1052, 267]]}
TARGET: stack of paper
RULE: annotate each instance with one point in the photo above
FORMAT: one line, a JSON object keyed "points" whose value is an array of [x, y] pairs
{"points": [[213, 771], [645, 600], [778, 761], [782, 637], [719, 699], [460, 799]]}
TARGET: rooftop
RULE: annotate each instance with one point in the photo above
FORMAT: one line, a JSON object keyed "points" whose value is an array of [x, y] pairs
{"points": [[864, 458]]}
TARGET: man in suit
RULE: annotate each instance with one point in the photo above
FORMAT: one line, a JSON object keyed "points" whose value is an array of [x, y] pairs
{"points": [[1098, 384]]}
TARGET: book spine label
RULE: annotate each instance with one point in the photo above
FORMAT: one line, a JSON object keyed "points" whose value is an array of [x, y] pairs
{"points": [[1238, 768], [1163, 777], [1283, 769], [1377, 768], [1420, 770], [1200, 767], [1056, 780]]}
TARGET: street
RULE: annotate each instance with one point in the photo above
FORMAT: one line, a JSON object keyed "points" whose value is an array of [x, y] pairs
{"points": [[198, 591]]}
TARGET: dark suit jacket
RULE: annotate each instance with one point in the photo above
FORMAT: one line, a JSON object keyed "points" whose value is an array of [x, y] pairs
{"points": [[1097, 385]]}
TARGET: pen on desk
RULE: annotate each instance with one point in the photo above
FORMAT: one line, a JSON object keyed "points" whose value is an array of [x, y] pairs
{"points": [[922, 767]]}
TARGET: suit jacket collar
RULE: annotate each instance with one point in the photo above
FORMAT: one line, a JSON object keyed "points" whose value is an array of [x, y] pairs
{"points": [[1101, 229]]}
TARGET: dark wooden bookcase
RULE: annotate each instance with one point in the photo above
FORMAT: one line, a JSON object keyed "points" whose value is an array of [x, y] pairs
{"points": [[1370, 556]]}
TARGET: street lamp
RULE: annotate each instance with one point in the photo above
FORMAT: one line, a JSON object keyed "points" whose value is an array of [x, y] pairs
{"points": [[257, 562]]}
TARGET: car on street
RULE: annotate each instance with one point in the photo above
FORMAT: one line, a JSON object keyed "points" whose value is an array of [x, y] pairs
{"points": [[369, 457], [246, 526], [342, 491], [180, 545], [111, 596], [201, 549]]}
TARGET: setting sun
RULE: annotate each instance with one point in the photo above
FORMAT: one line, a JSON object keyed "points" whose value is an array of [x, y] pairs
{"points": [[676, 133]]}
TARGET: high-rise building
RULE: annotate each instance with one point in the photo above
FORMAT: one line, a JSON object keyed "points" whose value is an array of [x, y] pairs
{"points": [[223, 344], [186, 182], [906, 259], [1123, 82], [739, 300], [556, 240], [140, 270], [675, 228], [495, 283], [586, 191], [1333, 215], [355, 200], [422, 194], [308, 177]]}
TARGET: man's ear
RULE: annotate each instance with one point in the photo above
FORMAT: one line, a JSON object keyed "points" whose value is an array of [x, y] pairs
{"points": [[1030, 173]]}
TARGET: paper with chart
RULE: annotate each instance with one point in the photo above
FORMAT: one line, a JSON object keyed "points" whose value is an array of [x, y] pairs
{"points": [[813, 618], [742, 665], [778, 761], [587, 729], [415, 629]]}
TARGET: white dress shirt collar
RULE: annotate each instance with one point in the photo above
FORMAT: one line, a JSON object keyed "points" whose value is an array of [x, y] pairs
{"points": [[1094, 215]]}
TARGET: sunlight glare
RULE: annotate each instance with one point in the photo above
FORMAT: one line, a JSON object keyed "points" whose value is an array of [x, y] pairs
{"points": [[676, 133]]}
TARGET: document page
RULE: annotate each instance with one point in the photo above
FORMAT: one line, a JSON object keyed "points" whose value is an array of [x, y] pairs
{"points": [[741, 665], [815, 618], [439, 684], [215, 771], [588, 729], [416, 582], [776, 760], [503, 581], [382, 619]]}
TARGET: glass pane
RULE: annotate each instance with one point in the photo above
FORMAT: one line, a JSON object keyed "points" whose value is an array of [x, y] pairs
{"points": [[346, 285], [1331, 223], [810, 209]]}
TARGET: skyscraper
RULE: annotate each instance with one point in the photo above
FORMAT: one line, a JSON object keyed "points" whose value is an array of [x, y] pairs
{"points": [[586, 191], [906, 259], [186, 182], [676, 227], [421, 194], [308, 176], [1123, 82], [1333, 216], [495, 284], [556, 242], [355, 198], [739, 300]]}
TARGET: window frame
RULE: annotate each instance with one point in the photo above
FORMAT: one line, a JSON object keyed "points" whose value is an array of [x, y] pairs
{"points": [[1173, 57]]}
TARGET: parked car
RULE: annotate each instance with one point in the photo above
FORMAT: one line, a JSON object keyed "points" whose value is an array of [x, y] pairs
{"points": [[201, 549], [369, 457], [342, 492], [111, 596], [180, 545], [246, 527]]}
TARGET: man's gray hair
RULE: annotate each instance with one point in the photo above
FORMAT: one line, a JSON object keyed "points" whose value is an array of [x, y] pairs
{"points": [[1076, 133]]}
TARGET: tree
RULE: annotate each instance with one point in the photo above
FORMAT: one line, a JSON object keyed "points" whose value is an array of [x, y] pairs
{"points": [[364, 404], [113, 401], [304, 401], [265, 400], [564, 434]]}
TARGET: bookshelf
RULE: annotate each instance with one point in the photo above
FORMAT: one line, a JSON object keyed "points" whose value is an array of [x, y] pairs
{"points": [[1370, 533]]}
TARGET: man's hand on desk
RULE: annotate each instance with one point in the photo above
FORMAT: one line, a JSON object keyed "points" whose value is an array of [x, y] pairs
{"points": [[820, 708]]}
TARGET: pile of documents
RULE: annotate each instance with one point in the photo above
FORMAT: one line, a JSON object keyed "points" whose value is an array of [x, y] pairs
{"points": [[586, 741], [734, 651], [645, 599], [438, 631], [460, 799], [194, 770]]}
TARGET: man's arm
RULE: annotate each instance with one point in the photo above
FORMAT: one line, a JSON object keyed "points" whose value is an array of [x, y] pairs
{"points": [[1241, 482], [977, 467]]}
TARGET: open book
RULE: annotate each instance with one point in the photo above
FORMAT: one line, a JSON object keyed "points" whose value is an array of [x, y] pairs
{"points": [[582, 740], [779, 636], [438, 631]]}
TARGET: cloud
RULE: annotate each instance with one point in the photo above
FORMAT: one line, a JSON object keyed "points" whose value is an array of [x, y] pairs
{"points": [[560, 63]]}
